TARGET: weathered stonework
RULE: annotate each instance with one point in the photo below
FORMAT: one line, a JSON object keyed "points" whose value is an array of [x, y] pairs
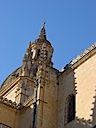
{"points": [[37, 95]]}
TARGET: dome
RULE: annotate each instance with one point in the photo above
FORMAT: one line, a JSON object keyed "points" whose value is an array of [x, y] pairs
{"points": [[14, 75]]}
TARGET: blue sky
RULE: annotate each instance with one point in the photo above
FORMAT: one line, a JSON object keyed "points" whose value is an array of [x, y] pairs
{"points": [[70, 27]]}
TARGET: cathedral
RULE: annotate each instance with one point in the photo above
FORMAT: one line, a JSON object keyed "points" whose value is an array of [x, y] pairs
{"points": [[36, 95]]}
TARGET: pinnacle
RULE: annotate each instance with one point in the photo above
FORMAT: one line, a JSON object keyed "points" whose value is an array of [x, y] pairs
{"points": [[42, 34]]}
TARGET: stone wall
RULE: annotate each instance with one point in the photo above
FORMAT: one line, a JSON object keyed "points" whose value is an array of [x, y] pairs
{"points": [[66, 87], [47, 107], [81, 83], [9, 116], [86, 90], [26, 117]]}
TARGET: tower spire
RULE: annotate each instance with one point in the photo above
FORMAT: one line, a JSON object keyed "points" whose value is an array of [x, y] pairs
{"points": [[42, 34], [43, 24]]}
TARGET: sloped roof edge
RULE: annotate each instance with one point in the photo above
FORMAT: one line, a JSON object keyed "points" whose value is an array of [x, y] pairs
{"points": [[88, 50], [81, 58]]}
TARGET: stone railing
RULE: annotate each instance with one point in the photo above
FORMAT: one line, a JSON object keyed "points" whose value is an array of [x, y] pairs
{"points": [[10, 103]]}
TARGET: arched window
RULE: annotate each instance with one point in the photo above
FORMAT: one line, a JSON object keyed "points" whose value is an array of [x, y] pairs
{"points": [[38, 53], [70, 109], [46, 55]]}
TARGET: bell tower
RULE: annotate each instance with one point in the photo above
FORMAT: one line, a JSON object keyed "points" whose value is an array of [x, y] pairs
{"points": [[37, 65], [37, 62], [39, 51], [33, 86], [42, 49]]}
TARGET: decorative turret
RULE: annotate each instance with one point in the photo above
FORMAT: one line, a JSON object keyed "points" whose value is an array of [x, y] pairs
{"points": [[43, 32], [27, 62], [40, 51]]}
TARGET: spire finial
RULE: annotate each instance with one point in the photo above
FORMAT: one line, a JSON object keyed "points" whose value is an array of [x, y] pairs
{"points": [[43, 24], [43, 32]]}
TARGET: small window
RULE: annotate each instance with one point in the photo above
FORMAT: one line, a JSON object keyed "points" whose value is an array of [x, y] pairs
{"points": [[46, 55], [32, 54], [38, 53], [70, 109]]}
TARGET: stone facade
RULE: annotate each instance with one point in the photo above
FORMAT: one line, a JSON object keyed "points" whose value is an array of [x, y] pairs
{"points": [[36, 95]]}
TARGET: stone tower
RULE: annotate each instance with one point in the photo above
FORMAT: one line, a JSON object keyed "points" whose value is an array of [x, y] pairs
{"points": [[36, 95], [37, 64], [33, 85]]}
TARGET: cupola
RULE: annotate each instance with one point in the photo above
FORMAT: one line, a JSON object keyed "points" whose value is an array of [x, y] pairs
{"points": [[39, 51]]}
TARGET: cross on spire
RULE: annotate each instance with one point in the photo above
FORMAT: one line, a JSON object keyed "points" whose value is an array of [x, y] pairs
{"points": [[42, 34], [43, 24]]}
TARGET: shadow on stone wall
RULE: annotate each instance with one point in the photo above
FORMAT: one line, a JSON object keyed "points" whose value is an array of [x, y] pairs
{"points": [[88, 123], [81, 122]]}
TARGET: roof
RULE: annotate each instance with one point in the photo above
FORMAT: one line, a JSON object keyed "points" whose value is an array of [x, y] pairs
{"points": [[81, 58], [14, 75], [86, 52], [42, 36]]}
